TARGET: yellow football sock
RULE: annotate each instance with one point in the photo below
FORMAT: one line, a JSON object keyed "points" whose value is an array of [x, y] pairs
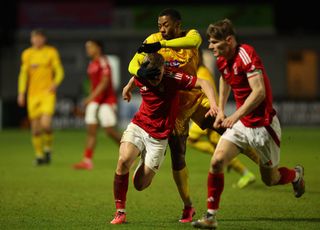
{"points": [[181, 178], [237, 166], [47, 141], [203, 146], [37, 143]]}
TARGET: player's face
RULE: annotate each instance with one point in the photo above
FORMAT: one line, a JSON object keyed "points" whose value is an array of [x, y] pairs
{"points": [[92, 49], [167, 27], [38, 40], [157, 81], [219, 47]]}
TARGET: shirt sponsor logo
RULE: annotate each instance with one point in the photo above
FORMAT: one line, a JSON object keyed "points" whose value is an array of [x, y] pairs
{"points": [[172, 63]]}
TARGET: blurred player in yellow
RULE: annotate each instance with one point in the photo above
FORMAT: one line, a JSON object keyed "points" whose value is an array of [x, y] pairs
{"points": [[208, 145], [41, 73], [180, 51]]}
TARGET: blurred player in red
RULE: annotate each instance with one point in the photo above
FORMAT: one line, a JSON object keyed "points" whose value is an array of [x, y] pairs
{"points": [[101, 104], [147, 134], [254, 123]]}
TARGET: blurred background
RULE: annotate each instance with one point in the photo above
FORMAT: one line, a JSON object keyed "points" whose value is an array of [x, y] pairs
{"points": [[286, 36]]}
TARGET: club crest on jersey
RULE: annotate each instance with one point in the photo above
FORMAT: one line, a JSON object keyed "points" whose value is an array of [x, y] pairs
{"points": [[144, 88], [172, 63], [225, 71]]}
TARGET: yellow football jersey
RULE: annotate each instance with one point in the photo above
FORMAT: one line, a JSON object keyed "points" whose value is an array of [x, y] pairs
{"points": [[39, 70]]}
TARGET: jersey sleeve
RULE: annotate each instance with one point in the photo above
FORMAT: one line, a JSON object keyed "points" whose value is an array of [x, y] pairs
{"points": [[57, 66], [185, 81], [191, 40], [250, 61], [23, 75]]}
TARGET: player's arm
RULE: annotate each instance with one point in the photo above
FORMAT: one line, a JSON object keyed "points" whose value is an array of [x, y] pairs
{"points": [[207, 88], [58, 70], [139, 69], [191, 40], [254, 99], [126, 92], [22, 81], [103, 84], [224, 92]]}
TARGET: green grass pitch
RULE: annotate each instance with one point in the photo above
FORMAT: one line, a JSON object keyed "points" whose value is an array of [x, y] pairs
{"points": [[58, 197]]}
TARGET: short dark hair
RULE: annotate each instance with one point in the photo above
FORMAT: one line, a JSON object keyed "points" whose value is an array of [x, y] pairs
{"points": [[99, 43], [38, 31], [221, 30], [173, 13]]}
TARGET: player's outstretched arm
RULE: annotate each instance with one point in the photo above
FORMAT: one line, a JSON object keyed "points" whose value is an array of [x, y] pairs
{"points": [[127, 90], [191, 40], [207, 88]]}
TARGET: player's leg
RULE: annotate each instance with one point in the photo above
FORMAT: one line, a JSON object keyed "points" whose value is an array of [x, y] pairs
{"points": [[150, 162], [224, 153], [47, 106], [269, 152], [37, 141], [46, 125], [180, 174], [130, 148], [34, 114], [194, 139], [86, 162], [92, 128], [127, 155], [247, 177], [108, 119]]}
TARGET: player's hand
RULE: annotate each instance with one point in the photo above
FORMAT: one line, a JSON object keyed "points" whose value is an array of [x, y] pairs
{"points": [[149, 47], [213, 111], [230, 121], [21, 100], [219, 119], [126, 94], [149, 74]]}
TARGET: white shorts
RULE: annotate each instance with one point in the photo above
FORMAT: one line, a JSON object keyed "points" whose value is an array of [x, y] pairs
{"points": [[103, 113], [260, 139], [152, 150]]}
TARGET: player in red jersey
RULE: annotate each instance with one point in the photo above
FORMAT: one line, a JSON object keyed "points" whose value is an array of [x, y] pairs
{"points": [[147, 134], [101, 104], [254, 123]]}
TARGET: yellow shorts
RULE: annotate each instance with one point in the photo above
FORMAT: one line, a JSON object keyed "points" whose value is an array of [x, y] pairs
{"points": [[192, 105], [41, 105], [195, 132]]}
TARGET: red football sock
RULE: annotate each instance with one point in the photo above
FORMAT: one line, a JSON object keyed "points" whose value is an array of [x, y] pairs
{"points": [[287, 175], [88, 153], [120, 188], [215, 188]]}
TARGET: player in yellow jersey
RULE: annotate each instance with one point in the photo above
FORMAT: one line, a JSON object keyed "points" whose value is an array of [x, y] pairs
{"points": [[208, 144], [41, 73], [180, 50]]}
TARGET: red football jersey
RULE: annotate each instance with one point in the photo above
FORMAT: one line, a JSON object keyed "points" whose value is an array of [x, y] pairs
{"points": [[159, 106], [98, 69], [236, 73]]}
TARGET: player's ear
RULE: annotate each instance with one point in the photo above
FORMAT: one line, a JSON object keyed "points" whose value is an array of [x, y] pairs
{"points": [[229, 39]]}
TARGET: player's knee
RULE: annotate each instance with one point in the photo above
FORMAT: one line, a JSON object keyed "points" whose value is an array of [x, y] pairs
{"points": [[123, 165], [217, 164]]}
